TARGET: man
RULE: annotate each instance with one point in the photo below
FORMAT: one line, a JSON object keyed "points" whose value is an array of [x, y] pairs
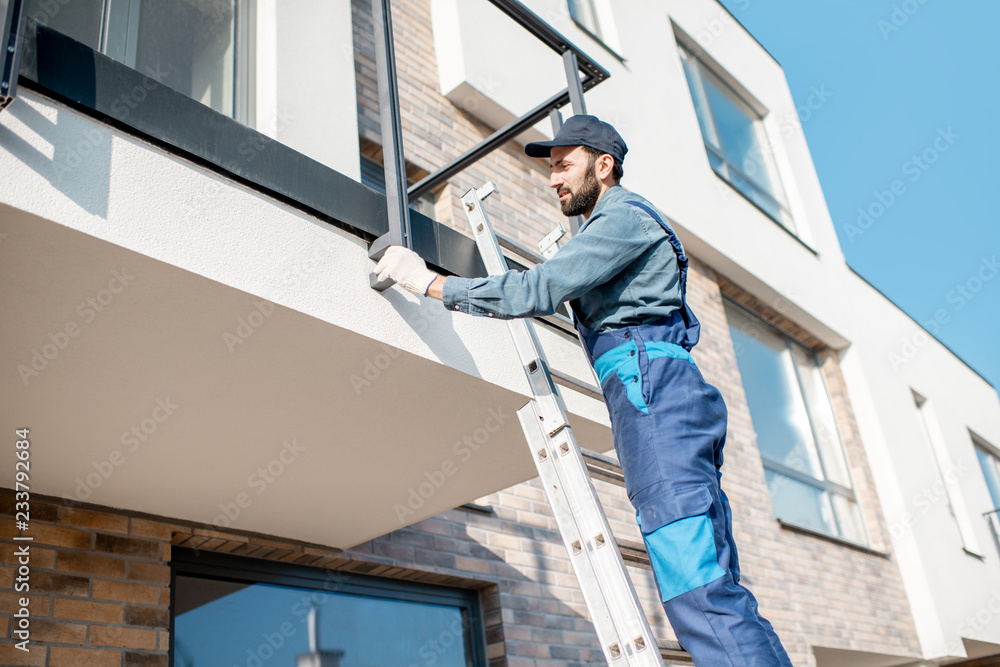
{"points": [[624, 275]]}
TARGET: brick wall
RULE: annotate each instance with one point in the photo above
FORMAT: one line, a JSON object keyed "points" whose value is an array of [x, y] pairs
{"points": [[99, 588], [816, 592], [100, 578]]}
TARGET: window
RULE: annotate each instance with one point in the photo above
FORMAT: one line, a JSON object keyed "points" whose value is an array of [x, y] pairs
{"points": [[585, 13], [597, 18], [947, 488], [737, 146], [807, 473], [990, 465], [237, 611], [373, 175], [188, 45]]}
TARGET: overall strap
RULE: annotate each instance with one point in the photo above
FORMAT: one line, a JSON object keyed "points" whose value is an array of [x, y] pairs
{"points": [[693, 325]]}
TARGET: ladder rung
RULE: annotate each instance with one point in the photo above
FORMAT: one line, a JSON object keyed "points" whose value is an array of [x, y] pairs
{"points": [[633, 552], [573, 383], [673, 653], [603, 467]]}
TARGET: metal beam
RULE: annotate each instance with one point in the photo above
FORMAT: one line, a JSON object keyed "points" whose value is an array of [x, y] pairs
{"points": [[579, 107], [392, 130], [552, 38], [392, 133], [556, 118], [488, 145], [571, 64], [575, 61], [13, 15]]}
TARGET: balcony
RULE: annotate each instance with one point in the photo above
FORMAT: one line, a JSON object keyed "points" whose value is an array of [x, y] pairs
{"points": [[192, 333]]}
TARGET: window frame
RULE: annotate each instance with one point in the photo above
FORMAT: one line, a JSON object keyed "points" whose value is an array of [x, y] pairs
{"points": [[244, 570], [824, 485], [937, 447], [726, 170], [605, 35], [594, 30], [372, 175], [980, 445], [992, 516], [118, 39]]}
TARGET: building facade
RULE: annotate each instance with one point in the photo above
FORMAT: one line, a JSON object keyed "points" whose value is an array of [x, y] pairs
{"points": [[242, 454]]}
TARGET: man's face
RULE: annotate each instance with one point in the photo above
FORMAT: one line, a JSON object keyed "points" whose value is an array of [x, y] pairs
{"points": [[574, 180]]}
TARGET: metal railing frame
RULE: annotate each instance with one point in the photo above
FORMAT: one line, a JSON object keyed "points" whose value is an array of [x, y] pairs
{"points": [[12, 14], [575, 62], [398, 196]]}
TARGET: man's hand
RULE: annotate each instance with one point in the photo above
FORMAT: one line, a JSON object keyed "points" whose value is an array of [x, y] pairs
{"points": [[406, 268]]}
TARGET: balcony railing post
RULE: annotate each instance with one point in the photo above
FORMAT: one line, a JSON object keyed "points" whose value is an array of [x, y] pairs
{"points": [[575, 62], [572, 66], [392, 131], [579, 106], [392, 135], [12, 14]]}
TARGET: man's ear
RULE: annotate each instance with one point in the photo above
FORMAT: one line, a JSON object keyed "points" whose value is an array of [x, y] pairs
{"points": [[605, 166]]}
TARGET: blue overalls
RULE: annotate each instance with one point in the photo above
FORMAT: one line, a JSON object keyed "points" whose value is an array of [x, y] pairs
{"points": [[669, 428]]}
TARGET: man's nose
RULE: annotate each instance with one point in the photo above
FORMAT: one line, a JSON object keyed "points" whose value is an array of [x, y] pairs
{"points": [[555, 180]]}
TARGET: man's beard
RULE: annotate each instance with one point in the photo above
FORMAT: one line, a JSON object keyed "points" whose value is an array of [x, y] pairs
{"points": [[583, 201]]}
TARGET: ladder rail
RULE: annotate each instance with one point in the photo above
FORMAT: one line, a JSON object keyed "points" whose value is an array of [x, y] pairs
{"points": [[614, 606], [617, 618]]}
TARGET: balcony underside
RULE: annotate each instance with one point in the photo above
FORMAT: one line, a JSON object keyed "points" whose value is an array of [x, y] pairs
{"points": [[155, 389]]}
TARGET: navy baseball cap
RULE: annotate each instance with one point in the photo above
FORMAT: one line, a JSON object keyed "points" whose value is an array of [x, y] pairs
{"points": [[583, 131]]}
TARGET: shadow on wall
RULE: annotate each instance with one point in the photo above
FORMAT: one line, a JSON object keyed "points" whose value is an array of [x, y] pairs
{"points": [[79, 162], [443, 341], [79, 165]]}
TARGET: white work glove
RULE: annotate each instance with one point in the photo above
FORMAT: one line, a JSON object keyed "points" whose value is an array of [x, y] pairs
{"points": [[406, 268]]}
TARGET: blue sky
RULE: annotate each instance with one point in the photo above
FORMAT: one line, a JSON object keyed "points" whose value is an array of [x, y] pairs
{"points": [[913, 102]]}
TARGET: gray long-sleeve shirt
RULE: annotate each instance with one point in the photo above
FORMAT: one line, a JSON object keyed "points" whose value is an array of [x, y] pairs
{"points": [[620, 269]]}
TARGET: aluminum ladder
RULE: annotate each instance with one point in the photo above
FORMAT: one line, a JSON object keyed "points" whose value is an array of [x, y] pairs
{"points": [[614, 607]]}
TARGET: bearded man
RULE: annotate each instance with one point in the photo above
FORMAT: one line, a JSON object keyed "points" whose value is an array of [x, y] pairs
{"points": [[624, 275]]}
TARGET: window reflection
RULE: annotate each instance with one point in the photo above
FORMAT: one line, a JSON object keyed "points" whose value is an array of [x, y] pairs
{"points": [[81, 19], [584, 13], [807, 473], [188, 45], [779, 414], [224, 623], [991, 472], [735, 140]]}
